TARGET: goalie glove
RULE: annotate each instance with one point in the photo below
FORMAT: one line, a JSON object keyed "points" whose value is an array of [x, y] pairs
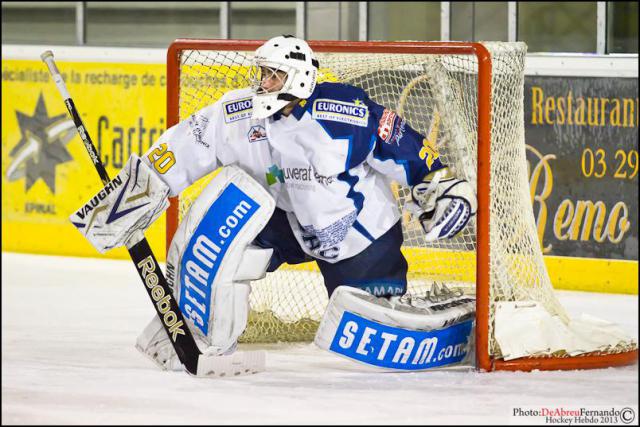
{"points": [[443, 204]]}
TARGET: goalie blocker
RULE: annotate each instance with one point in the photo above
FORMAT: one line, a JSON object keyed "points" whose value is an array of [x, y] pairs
{"points": [[124, 208]]}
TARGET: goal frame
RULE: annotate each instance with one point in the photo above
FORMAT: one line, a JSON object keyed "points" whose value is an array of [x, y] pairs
{"points": [[484, 361]]}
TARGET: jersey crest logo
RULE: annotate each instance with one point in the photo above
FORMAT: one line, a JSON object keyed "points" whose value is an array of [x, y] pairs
{"points": [[353, 113], [385, 126], [391, 127], [257, 133], [237, 110]]}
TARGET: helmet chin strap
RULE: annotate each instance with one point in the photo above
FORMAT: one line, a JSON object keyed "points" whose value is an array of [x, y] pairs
{"points": [[286, 110], [287, 97], [292, 102]]}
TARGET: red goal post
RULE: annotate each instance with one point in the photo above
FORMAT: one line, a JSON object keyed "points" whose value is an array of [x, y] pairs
{"points": [[485, 361]]}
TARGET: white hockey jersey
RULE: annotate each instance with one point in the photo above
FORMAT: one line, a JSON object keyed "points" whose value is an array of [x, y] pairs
{"points": [[328, 164]]}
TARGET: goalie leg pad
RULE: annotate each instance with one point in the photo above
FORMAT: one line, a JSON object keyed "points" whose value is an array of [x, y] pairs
{"points": [[389, 334], [210, 262], [208, 248]]}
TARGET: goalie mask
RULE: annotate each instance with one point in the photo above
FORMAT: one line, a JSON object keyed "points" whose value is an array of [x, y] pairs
{"points": [[284, 69]]}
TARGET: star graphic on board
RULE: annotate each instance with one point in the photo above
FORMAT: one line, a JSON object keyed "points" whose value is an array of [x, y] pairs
{"points": [[42, 146]]}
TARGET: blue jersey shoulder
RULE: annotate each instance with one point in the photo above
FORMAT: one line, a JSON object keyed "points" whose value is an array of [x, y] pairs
{"points": [[344, 112], [341, 109], [339, 92]]}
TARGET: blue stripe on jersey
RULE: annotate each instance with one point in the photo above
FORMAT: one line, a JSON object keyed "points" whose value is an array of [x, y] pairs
{"points": [[358, 198], [359, 227], [372, 142], [362, 140], [359, 144], [357, 150], [348, 162], [358, 201], [404, 163]]}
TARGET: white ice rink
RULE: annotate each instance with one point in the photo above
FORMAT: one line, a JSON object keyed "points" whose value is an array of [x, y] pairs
{"points": [[69, 324]]}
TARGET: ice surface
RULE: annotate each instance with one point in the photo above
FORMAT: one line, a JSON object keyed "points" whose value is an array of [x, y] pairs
{"points": [[69, 324]]}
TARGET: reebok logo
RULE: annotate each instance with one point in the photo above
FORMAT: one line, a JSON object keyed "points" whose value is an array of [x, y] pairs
{"points": [[147, 268]]}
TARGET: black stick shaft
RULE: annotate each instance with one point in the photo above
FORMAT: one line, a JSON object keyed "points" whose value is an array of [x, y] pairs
{"points": [[140, 252]]}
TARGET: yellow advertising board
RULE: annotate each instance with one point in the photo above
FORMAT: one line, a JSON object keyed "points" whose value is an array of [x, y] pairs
{"points": [[47, 174], [46, 171]]}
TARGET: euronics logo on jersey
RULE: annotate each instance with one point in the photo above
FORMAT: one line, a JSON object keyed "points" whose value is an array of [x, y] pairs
{"points": [[237, 110], [354, 113]]}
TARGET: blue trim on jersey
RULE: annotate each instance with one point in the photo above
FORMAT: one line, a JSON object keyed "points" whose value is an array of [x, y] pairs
{"points": [[356, 150], [359, 148], [358, 201], [372, 142], [358, 198], [349, 152], [360, 228], [404, 150], [298, 111], [403, 163]]}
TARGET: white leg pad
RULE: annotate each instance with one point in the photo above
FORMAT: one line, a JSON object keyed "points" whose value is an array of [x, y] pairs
{"points": [[211, 262], [397, 335]]}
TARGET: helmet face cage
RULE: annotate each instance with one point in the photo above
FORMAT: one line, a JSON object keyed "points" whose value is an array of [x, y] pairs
{"points": [[279, 57], [262, 71]]}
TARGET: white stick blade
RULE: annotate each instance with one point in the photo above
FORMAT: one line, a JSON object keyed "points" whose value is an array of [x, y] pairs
{"points": [[236, 364]]}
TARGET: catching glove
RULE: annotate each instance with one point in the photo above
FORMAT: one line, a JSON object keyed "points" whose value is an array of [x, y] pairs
{"points": [[443, 204]]}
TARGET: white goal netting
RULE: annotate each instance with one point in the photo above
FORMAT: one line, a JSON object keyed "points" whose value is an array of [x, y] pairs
{"points": [[438, 96]]}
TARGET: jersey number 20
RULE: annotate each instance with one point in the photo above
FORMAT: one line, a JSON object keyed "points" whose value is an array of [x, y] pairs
{"points": [[162, 159]]}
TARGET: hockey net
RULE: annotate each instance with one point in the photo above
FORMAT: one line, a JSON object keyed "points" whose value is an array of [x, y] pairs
{"points": [[467, 98]]}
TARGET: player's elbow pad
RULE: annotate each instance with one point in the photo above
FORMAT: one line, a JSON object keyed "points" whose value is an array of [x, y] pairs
{"points": [[129, 203]]}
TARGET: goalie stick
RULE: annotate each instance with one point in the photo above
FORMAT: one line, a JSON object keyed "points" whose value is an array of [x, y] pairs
{"points": [[190, 356]]}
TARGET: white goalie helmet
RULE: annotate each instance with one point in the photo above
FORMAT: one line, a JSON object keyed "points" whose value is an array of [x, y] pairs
{"points": [[289, 59]]}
